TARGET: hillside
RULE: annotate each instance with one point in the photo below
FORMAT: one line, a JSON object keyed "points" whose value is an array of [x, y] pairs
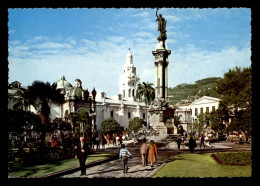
{"points": [[187, 93]]}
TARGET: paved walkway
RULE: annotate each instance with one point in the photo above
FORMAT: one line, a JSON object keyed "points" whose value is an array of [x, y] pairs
{"points": [[113, 169]]}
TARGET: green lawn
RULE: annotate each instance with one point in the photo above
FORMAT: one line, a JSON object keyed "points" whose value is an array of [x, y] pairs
{"points": [[200, 165], [42, 170]]}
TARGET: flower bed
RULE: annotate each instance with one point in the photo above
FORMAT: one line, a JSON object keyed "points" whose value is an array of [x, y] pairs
{"points": [[233, 158]]}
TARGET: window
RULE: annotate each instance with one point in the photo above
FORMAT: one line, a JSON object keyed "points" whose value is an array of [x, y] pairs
{"points": [[112, 114], [196, 111], [129, 93], [201, 110], [207, 110], [124, 93], [143, 115], [133, 93], [129, 115], [213, 108]]}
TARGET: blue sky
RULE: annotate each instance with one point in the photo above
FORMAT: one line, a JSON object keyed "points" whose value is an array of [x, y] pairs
{"points": [[91, 44]]}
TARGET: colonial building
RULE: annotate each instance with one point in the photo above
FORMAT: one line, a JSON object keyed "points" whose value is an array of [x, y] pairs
{"points": [[189, 114], [123, 107]]}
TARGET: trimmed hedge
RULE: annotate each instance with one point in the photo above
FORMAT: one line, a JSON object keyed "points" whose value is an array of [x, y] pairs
{"points": [[233, 158]]}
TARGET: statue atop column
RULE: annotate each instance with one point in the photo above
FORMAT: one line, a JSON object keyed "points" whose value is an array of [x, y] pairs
{"points": [[161, 27]]}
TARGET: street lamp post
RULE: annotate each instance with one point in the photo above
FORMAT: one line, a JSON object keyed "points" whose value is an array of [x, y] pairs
{"points": [[92, 114]]}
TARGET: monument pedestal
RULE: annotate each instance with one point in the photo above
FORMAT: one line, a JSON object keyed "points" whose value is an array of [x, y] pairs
{"points": [[158, 125]]}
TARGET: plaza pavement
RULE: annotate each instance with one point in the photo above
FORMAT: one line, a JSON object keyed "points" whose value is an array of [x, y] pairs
{"points": [[113, 168]]}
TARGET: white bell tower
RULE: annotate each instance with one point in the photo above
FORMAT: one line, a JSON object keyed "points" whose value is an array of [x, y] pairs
{"points": [[128, 80]]}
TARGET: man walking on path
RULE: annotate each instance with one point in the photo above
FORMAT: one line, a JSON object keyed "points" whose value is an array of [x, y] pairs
{"points": [[81, 153], [179, 143], [202, 140], [123, 156], [120, 138], [143, 152], [192, 144]]}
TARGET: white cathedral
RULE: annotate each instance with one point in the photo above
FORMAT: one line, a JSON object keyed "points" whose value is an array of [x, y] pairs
{"points": [[122, 107]]}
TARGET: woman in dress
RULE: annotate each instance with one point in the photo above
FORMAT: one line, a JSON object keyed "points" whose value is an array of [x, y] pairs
{"points": [[152, 152]]}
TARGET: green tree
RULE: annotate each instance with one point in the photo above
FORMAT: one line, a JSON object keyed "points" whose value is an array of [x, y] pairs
{"points": [[136, 124], [146, 92], [235, 89], [74, 119], [241, 122], [201, 123], [216, 121], [43, 95], [20, 121], [109, 125], [24, 100], [84, 118], [61, 125]]}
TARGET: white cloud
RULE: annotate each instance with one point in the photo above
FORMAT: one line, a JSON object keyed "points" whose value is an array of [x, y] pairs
{"points": [[116, 39], [142, 14], [190, 64], [171, 18]]}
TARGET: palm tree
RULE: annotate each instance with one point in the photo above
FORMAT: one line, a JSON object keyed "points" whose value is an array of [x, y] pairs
{"points": [[146, 91], [43, 95], [24, 100]]}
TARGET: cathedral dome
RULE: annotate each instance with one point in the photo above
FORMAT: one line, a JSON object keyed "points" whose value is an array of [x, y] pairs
{"points": [[63, 83]]}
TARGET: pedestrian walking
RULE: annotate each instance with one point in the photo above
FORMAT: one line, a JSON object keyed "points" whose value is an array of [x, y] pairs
{"points": [[98, 142], [120, 139], [114, 139], [152, 152], [108, 139], [104, 141], [143, 152], [124, 154], [192, 144], [202, 139], [81, 152], [240, 138], [179, 140]]}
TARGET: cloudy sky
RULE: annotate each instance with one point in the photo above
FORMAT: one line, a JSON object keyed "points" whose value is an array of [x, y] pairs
{"points": [[91, 44]]}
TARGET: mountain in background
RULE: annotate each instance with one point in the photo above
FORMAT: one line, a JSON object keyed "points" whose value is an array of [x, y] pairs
{"points": [[185, 94]]}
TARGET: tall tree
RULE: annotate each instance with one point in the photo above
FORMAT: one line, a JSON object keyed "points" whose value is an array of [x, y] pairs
{"points": [[43, 95], [235, 88], [24, 100], [145, 91], [216, 121], [236, 98]]}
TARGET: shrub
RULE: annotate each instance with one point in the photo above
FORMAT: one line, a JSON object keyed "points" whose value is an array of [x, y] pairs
{"points": [[110, 125], [233, 158]]}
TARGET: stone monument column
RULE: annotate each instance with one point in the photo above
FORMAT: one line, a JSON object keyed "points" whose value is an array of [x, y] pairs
{"points": [[162, 116], [161, 70]]}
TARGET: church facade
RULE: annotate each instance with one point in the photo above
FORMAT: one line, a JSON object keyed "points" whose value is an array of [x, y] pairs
{"points": [[122, 107]]}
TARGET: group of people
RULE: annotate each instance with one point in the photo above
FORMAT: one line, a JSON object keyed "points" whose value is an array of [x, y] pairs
{"points": [[105, 140], [192, 142], [148, 152]]}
